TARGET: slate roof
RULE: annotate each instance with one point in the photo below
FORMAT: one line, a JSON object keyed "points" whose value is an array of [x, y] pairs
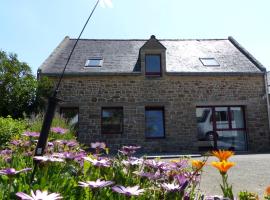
{"points": [[122, 57]]}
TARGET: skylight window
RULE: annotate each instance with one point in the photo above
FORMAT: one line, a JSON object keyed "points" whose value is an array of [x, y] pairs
{"points": [[209, 62], [94, 62]]}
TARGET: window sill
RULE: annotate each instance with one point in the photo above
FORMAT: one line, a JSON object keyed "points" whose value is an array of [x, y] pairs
{"points": [[148, 138], [111, 133], [153, 75]]}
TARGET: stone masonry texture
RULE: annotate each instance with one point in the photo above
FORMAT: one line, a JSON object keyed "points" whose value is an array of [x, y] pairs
{"points": [[179, 95]]}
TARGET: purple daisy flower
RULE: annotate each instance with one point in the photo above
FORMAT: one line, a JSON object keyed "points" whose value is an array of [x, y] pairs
{"points": [[183, 181], [132, 161], [129, 150], [98, 145], [152, 176], [215, 197], [39, 195], [59, 130], [50, 144], [154, 164], [6, 152], [16, 142], [12, 171], [7, 159], [69, 143], [26, 144], [96, 184], [79, 157], [180, 164], [72, 143], [65, 155], [101, 162], [28, 153], [170, 187], [128, 191], [48, 159], [31, 134]]}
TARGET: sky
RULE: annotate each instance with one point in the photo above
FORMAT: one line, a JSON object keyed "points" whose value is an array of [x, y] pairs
{"points": [[33, 28]]}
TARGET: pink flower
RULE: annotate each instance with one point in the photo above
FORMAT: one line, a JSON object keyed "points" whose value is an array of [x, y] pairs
{"points": [[31, 134], [128, 191], [39, 196], [96, 184], [59, 130]]}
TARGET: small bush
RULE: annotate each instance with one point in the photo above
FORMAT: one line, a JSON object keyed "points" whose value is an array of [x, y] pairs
{"points": [[245, 195], [10, 128]]}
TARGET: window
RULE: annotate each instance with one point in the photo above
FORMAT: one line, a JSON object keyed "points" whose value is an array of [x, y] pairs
{"points": [[154, 119], [209, 62], [112, 120], [223, 125], [71, 114], [153, 65], [94, 62]]}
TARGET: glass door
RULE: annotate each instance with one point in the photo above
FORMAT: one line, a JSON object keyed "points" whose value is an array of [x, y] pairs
{"points": [[225, 129]]}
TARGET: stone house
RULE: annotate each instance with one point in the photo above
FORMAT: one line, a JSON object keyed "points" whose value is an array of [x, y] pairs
{"points": [[164, 95]]}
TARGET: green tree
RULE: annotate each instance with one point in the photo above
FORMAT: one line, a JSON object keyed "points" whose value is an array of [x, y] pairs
{"points": [[43, 91], [20, 92]]}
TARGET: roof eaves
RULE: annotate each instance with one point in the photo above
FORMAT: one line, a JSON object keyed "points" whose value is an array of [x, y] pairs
{"points": [[247, 54], [77, 74], [213, 73]]}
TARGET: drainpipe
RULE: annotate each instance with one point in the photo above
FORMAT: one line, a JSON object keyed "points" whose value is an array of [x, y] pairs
{"points": [[267, 98]]}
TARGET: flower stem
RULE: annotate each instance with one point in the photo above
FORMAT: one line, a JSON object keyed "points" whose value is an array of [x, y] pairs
{"points": [[9, 187], [227, 190]]}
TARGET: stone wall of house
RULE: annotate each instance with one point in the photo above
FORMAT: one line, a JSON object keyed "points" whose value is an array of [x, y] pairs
{"points": [[178, 94]]}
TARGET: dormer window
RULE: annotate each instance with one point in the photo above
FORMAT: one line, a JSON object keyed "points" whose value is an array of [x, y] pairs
{"points": [[153, 64], [94, 62], [209, 62]]}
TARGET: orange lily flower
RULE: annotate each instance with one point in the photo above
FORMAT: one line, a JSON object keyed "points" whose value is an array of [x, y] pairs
{"points": [[198, 164], [223, 166], [267, 191], [222, 154]]}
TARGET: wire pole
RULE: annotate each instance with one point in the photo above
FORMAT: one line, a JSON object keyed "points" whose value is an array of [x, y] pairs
{"points": [[52, 102]]}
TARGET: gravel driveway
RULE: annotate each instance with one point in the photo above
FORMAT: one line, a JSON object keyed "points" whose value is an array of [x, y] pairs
{"points": [[251, 172]]}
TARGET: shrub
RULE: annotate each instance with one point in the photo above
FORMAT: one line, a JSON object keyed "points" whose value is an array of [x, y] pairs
{"points": [[35, 123], [245, 195], [10, 128]]}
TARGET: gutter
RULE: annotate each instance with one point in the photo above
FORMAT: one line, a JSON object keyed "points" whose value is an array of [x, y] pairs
{"points": [[78, 74], [213, 73], [98, 74]]}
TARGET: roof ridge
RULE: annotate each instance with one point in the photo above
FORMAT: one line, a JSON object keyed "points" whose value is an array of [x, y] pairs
{"points": [[148, 39]]}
